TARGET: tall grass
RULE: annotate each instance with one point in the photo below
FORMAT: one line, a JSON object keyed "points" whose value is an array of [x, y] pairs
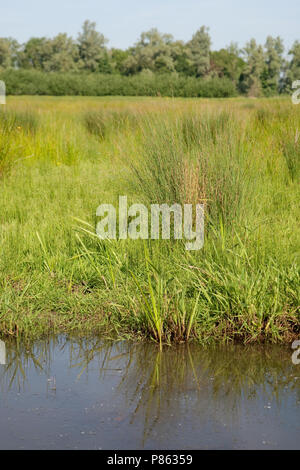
{"points": [[5, 146], [103, 122], [14, 126], [291, 152], [25, 120]]}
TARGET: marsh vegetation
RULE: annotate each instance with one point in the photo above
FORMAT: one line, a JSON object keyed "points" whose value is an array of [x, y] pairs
{"points": [[62, 157]]}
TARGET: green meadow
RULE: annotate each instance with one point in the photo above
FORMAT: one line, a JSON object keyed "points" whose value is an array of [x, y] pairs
{"points": [[61, 157]]}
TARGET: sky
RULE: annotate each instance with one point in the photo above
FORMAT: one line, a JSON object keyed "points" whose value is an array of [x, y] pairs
{"points": [[122, 21]]}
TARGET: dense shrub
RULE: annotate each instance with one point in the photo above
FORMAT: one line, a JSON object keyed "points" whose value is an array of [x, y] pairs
{"points": [[32, 82]]}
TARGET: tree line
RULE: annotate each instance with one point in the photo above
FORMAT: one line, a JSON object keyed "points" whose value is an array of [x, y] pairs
{"points": [[254, 70]]}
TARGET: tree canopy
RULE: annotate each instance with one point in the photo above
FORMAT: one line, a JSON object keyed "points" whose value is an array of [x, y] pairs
{"points": [[255, 69]]}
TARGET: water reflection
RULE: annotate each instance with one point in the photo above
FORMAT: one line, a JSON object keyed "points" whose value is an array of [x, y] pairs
{"points": [[155, 392]]}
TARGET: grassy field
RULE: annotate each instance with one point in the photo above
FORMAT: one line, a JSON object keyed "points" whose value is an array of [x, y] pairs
{"points": [[62, 157]]}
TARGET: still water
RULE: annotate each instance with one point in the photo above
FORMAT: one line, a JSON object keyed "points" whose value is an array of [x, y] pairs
{"points": [[89, 394]]}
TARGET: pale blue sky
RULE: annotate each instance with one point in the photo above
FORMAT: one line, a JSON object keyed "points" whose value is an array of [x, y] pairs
{"points": [[123, 21]]}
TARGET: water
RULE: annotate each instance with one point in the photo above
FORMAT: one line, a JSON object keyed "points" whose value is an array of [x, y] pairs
{"points": [[88, 394]]}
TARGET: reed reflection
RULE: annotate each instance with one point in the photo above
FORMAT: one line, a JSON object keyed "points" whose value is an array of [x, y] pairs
{"points": [[153, 385]]}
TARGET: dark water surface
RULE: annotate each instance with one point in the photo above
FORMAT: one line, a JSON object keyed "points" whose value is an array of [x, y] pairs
{"points": [[89, 394]]}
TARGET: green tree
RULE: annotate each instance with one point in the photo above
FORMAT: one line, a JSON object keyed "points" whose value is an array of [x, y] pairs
{"points": [[92, 50], [62, 54], [255, 62], [198, 52], [118, 57], [273, 68], [180, 55], [153, 52], [130, 64], [293, 68], [34, 54], [9, 49], [226, 64], [59, 54], [233, 48]]}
